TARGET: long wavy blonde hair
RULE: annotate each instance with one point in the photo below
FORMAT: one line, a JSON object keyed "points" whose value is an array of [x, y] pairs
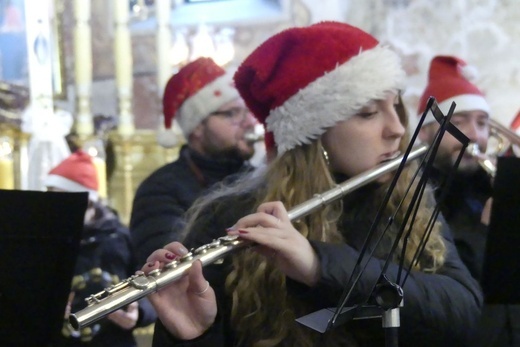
{"points": [[263, 314]]}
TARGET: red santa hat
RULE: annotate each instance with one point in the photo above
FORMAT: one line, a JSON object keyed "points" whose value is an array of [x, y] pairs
{"points": [[304, 80], [449, 80], [77, 173], [515, 124], [199, 88]]}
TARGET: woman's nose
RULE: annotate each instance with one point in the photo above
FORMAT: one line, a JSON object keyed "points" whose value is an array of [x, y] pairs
{"points": [[393, 126]]}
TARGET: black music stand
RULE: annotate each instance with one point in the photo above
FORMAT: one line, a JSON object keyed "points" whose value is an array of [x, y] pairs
{"points": [[386, 298], [501, 270], [40, 234]]}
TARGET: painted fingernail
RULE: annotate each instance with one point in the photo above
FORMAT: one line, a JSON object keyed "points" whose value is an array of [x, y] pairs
{"points": [[241, 231], [170, 256], [151, 264]]}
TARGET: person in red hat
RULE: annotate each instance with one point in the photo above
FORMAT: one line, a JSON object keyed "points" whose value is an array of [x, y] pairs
{"points": [[106, 256], [467, 204], [329, 97], [450, 80], [204, 102]]}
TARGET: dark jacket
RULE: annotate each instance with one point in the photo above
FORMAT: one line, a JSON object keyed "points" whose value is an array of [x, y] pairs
{"points": [[462, 208], [162, 198], [439, 309], [106, 257]]}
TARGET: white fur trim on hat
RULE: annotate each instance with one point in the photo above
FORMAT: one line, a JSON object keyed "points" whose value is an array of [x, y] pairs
{"points": [[466, 102], [335, 97], [168, 138], [208, 99], [65, 184]]}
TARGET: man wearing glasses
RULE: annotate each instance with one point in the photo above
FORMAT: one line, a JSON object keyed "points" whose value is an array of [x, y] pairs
{"points": [[217, 127]]}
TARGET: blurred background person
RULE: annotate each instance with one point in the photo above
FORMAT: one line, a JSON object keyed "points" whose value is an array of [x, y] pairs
{"points": [[467, 204], [202, 99], [106, 257]]}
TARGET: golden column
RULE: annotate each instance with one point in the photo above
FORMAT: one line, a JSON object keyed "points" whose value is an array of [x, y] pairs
{"points": [[163, 43], [124, 83], [163, 40], [123, 66], [83, 77], [6, 160], [83, 68], [137, 151]]}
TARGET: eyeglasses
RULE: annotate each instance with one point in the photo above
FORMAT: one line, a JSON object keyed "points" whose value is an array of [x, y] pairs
{"points": [[235, 115]]}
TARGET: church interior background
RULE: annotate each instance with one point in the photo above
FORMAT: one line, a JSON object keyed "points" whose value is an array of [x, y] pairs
{"points": [[90, 73]]}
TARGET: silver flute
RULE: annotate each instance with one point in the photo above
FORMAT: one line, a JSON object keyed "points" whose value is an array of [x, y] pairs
{"points": [[140, 285]]}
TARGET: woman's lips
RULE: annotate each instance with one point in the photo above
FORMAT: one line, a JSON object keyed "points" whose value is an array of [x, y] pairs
{"points": [[390, 156]]}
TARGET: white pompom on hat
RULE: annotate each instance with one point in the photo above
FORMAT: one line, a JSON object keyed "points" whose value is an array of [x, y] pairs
{"points": [[450, 79], [198, 89], [76, 173]]}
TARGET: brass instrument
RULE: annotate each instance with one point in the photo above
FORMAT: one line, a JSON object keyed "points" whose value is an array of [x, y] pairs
{"points": [[501, 140], [503, 136], [484, 161], [140, 285]]}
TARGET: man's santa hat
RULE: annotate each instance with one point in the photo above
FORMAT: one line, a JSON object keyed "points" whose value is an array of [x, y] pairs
{"points": [[450, 80], [198, 89], [77, 173], [515, 124], [304, 80]]}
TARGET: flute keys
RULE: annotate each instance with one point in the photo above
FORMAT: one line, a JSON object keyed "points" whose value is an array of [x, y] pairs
{"points": [[172, 264], [140, 282], [228, 239], [214, 244], [186, 257], [201, 250], [154, 273]]}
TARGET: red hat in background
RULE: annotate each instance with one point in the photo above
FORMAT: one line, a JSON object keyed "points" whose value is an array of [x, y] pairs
{"points": [[449, 80], [515, 124], [77, 173], [199, 88], [304, 80]]}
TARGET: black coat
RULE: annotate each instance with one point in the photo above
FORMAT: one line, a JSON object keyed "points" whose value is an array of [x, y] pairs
{"points": [[163, 198], [462, 208], [106, 257], [439, 309]]}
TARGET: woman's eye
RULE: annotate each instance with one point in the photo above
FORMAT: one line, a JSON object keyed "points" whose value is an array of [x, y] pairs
{"points": [[367, 114]]}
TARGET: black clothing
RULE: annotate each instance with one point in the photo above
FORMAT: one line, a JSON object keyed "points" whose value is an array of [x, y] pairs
{"points": [[462, 208], [439, 309], [106, 257], [162, 198]]}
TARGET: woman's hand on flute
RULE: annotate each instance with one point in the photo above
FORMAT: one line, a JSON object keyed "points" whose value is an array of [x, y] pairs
{"points": [[277, 239], [187, 307]]}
